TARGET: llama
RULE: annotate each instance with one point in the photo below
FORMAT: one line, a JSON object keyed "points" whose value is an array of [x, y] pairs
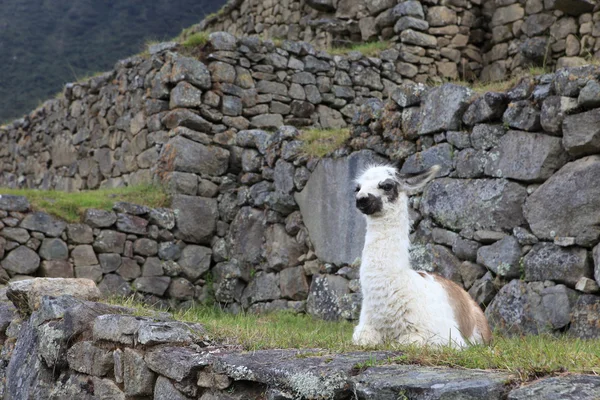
{"points": [[401, 304]]}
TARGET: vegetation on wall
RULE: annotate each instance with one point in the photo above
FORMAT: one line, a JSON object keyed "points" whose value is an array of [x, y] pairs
{"points": [[45, 44]]}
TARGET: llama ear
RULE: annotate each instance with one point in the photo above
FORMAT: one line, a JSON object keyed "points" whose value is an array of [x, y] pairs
{"points": [[418, 180]]}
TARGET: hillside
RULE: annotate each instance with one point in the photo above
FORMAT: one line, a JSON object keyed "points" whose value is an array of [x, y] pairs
{"points": [[45, 44]]}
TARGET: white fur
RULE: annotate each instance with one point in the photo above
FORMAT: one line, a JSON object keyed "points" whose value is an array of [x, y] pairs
{"points": [[398, 303]]}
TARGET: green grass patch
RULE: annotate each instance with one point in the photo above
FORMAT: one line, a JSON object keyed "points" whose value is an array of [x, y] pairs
{"points": [[70, 206], [320, 142], [525, 357], [369, 49], [196, 39]]}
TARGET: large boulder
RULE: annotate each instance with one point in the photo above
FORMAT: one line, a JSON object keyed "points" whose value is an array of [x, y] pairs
{"points": [[581, 133], [13, 203], [526, 156], [44, 223], [325, 298], [530, 308], [501, 257], [185, 155], [282, 250], [487, 204], [328, 208], [21, 260], [443, 108], [196, 218], [247, 235], [547, 261], [568, 203]]}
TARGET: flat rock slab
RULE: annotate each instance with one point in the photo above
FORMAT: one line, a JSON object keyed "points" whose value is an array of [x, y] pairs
{"points": [[392, 381], [570, 387], [27, 294], [297, 371]]}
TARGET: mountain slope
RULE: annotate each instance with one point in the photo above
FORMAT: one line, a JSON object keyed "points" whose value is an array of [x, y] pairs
{"points": [[46, 43]]}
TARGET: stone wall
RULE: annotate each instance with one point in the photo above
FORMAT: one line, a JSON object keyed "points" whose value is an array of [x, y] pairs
{"points": [[70, 347], [441, 39], [513, 217]]}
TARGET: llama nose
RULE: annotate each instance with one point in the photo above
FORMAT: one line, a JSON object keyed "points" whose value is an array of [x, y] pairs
{"points": [[362, 202]]}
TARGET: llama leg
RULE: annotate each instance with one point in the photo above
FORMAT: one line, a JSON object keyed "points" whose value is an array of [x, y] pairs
{"points": [[365, 335]]}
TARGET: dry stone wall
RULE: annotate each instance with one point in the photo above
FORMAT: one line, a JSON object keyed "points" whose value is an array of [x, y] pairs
{"points": [[259, 226], [440, 39], [71, 347]]}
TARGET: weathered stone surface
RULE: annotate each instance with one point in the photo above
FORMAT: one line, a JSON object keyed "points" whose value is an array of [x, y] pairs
{"points": [[293, 283], [227, 284], [57, 269], [581, 135], [21, 260], [190, 70], [547, 261], [110, 242], [196, 218], [487, 107], [434, 383], [162, 217], [412, 37], [477, 204], [92, 272], [174, 332], [502, 257], [176, 363], [262, 287], [554, 111], [529, 157], [584, 320], [436, 258], [18, 235], [248, 231], [189, 156], [408, 94], [325, 296], [99, 218], [282, 250], [27, 294], [80, 233], [181, 289], [114, 285], [441, 155], [443, 108], [13, 203], [117, 328], [131, 224], [336, 228], [86, 358], [84, 255], [522, 115], [152, 284], [195, 260], [44, 223], [106, 389], [567, 387], [521, 308], [551, 211], [165, 390], [138, 379]]}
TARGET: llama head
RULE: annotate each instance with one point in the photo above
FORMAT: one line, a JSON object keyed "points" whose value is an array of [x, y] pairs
{"points": [[379, 187]]}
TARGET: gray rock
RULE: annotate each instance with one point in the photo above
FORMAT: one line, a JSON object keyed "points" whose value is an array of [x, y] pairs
{"points": [[431, 383], [181, 289], [165, 390], [547, 261], [131, 224], [589, 96], [99, 218], [145, 247], [261, 288], [190, 70], [190, 156], [550, 210], [162, 217], [466, 249], [13, 203], [282, 250], [92, 272], [488, 107], [107, 389], [585, 316], [114, 285], [409, 94], [195, 261], [581, 135], [559, 303], [484, 136], [529, 157], [337, 234], [57, 269], [18, 235], [176, 363], [409, 8], [457, 204], [82, 255], [522, 115], [185, 95], [554, 111], [441, 155], [266, 121], [152, 284], [44, 223], [587, 285], [138, 379], [86, 358], [502, 257], [117, 328], [110, 242], [484, 236], [27, 294], [173, 332], [196, 218], [247, 233], [470, 272], [443, 108], [293, 283], [406, 22], [471, 163], [227, 283], [567, 387], [109, 262], [330, 118], [21, 260], [325, 296], [436, 258], [80, 233]]}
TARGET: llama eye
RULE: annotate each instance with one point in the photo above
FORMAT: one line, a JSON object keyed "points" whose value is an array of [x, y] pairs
{"points": [[357, 189], [387, 187]]}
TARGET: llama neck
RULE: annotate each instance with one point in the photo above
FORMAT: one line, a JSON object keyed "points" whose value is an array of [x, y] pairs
{"points": [[387, 239]]}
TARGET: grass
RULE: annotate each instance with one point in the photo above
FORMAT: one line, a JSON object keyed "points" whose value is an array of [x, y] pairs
{"points": [[525, 358], [367, 49], [196, 39], [320, 142], [70, 206]]}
